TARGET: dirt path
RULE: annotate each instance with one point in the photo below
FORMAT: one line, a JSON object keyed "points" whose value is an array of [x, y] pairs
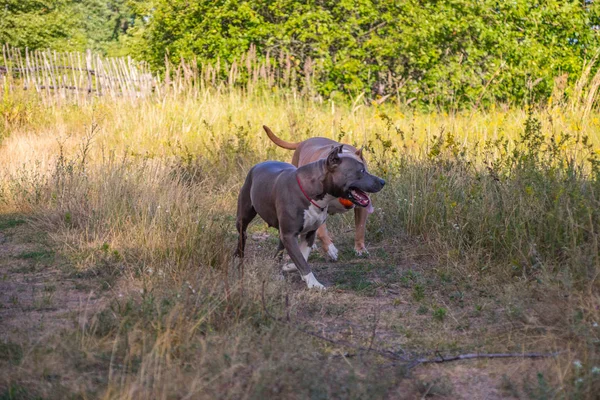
{"points": [[40, 295], [398, 300]]}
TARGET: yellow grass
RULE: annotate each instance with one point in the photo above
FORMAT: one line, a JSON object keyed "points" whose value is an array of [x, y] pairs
{"points": [[141, 196], [205, 121]]}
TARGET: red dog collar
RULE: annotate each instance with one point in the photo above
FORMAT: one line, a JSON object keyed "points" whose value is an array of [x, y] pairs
{"points": [[307, 196]]}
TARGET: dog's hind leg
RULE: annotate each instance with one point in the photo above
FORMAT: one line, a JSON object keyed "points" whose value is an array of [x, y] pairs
{"points": [[245, 215], [241, 225], [327, 243], [360, 220]]}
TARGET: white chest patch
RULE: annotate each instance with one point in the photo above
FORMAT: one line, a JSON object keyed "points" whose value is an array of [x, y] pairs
{"points": [[313, 218]]}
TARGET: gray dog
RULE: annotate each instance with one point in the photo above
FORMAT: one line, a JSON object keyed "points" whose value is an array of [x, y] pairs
{"points": [[295, 200]]}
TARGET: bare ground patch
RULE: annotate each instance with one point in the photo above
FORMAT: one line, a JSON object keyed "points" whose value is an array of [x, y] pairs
{"points": [[398, 299], [36, 291], [40, 301]]}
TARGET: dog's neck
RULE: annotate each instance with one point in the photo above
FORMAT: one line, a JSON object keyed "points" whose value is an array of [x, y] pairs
{"points": [[312, 177]]}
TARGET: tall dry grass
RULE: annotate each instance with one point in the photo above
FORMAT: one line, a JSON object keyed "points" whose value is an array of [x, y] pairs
{"points": [[142, 193]]}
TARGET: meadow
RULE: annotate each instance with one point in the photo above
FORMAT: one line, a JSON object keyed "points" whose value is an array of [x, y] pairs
{"points": [[117, 225]]}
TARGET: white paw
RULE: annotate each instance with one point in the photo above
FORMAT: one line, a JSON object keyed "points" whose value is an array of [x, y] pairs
{"points": [[312, 282], [289, 267], [332, 252], [314, 246]]}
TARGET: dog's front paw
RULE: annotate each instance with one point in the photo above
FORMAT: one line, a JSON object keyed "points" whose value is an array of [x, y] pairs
{"points": [[312, 282], [332, 252], [361, 251]]}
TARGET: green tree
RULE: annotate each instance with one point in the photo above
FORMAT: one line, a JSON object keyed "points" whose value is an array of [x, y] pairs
{"points": [[104, 24], [39, 24], [441, 52], [65, 25], [445, 53]]}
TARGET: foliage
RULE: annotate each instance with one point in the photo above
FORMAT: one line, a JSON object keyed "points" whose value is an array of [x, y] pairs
{"points": [[445, 53], [63, 24], [105, 23], [39, 24]]}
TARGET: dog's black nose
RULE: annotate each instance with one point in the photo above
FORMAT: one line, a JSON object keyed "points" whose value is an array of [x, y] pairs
{"points": [[382, 182]]}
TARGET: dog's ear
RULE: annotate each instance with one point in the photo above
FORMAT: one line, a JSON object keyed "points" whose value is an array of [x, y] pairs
{"points": [[333, 159], [359, 153]]}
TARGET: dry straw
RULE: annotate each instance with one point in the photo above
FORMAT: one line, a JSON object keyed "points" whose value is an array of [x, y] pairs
{"points": [[79, 77]]}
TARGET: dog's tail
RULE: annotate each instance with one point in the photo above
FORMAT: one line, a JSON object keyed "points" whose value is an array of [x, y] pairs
{"points": [[279, 142]]}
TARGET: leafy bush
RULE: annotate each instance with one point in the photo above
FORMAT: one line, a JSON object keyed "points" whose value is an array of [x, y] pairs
{"points": [[445, 53]]}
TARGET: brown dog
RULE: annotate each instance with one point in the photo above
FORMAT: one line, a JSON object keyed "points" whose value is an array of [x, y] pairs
{"points": [[314, 149]]}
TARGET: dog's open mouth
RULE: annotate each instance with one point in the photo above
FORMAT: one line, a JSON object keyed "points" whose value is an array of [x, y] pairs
{"points": [[359, 197]]}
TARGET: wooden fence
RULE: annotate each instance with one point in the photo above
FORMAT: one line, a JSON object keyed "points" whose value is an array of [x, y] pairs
{"points": [[74, 76], [79, 77]]}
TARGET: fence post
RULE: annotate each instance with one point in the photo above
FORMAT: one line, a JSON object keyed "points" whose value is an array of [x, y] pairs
{"points": [[88, 65]]}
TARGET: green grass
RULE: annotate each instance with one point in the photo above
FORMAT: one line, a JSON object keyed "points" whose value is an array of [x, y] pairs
{"points": [[355, 278], [11, 352], [439, 314], [9, 223], [36, 255], [418, 292], [364, 277], [17, 392]]}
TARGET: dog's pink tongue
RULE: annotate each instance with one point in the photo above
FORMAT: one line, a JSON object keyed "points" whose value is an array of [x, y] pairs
{"points": [[370, 208]]}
